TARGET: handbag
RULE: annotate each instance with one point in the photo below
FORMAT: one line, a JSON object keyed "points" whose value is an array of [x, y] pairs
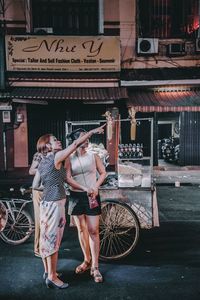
{"points": [[92, 201], [91, 198]]}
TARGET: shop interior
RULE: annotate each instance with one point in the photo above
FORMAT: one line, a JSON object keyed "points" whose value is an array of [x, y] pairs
{"points": [[168, 143]]}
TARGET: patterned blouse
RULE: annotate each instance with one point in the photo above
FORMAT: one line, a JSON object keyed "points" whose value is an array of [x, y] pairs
{"points": [[38, 157], [52, 179]]}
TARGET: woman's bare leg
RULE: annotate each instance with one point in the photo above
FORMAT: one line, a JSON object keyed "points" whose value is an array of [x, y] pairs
{"points": [[44, 260], [83, 236], [93, 230], [52, 265]]}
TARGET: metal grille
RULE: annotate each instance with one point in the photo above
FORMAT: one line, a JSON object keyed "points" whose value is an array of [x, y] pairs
{"points": [[87, 125], [44, 121], [77, 17], [190, 143], [168, 18]]}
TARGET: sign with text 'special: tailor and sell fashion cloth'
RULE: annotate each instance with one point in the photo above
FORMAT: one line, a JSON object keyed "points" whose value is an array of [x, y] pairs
{"points": [[62, 53]]}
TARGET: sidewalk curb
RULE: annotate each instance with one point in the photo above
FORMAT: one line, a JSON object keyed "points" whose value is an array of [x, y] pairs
{"points": [[173, 184]]}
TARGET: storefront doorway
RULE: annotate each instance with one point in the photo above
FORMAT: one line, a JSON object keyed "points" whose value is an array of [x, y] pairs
{"points": [[168, 139]]}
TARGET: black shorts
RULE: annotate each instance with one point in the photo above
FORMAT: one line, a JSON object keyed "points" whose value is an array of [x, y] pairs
{"points": [[79, 205]]}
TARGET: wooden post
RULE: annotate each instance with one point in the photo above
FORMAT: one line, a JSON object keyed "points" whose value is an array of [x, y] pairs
{"points": [[2, 55], [112, 144]]}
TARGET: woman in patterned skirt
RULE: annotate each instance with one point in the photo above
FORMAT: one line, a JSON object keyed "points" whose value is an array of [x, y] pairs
{"points": [[51, 174]]}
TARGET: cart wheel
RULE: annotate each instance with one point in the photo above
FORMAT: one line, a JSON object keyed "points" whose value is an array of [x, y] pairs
{"points": [[17, 230], [119, 230]]}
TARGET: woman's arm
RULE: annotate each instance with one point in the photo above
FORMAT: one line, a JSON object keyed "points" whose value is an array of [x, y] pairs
{"points": [[37, 185], [63, 154], [33, 167], [102, 172], [70, 179], [35, 163]]}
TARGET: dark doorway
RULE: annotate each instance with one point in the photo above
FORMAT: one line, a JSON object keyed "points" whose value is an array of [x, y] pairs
{"points": [[164, 131]]}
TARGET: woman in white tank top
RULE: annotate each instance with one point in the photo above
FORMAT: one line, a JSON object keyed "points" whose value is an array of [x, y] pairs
{"points": [[82, 168]]}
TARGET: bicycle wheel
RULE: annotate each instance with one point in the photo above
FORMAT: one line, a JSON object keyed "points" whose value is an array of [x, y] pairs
{"points": [[119, 230], [3, 216], [19, 230]]}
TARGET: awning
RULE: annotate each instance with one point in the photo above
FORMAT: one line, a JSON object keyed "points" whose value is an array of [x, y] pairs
{"points": [[53, 76], [178, 101], [162, 74], [180, 78], [89, 94], [63, 80]]}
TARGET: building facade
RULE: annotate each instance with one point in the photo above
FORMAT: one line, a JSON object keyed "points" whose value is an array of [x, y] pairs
{"points": [[73, 60]]}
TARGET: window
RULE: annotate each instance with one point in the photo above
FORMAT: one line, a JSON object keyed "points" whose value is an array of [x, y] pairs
{"points": [[168, 18], [71, 17]]}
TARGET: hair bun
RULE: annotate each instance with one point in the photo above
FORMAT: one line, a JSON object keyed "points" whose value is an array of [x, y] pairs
{"points": [[74, 135]]}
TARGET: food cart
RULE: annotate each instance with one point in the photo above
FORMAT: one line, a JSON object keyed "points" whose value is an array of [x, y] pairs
{"points": [[128, 196]]}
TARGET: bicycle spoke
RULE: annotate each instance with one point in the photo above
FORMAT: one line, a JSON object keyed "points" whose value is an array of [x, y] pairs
{"points": [[18, 230], [115, 245], [120, 245], [103, 243], [119, 230]]}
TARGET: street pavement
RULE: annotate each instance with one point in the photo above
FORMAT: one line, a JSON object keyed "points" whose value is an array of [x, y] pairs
{"points": [[165, 264], [169, 174]]}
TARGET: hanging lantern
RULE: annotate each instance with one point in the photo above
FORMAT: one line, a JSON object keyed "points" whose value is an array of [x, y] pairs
{"points": [[132, 113]]}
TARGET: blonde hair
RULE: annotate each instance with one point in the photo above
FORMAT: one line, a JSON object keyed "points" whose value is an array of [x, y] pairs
{"points": [[42, 143]]}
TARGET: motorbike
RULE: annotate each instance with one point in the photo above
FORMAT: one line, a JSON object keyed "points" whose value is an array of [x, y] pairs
{"points": [[177, 153], [171, 149]]}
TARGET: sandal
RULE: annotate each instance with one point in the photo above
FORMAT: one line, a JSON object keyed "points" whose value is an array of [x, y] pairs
{"points": [[96, 275], [83, 267]]}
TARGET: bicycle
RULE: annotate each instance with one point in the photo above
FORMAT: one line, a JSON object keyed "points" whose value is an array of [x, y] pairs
{"points": [[17, 224]]}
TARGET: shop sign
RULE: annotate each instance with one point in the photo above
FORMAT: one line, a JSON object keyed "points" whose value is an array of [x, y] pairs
{"points": [[5, 106], [62, 54], [6, 116]]}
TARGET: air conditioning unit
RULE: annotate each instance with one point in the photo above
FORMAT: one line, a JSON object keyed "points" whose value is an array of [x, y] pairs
{"points": [[197, 46], [43, 30], [147, 46], [176, 49]]}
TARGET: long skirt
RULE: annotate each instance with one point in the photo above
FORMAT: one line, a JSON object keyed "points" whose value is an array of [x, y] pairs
{"points": [[52, 224]]}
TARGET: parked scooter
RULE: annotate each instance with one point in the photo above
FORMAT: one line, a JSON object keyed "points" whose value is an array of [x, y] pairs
{"points": [[177, 154], [171, 149]]}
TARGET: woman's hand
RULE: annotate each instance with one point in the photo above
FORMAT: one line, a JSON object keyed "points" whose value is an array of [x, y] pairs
{"points": [[89, 191], [98, 130], [93, 192]]}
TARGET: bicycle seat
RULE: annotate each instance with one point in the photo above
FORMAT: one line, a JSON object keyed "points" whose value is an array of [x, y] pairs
{"points": [[15, 191], [25, 189]]}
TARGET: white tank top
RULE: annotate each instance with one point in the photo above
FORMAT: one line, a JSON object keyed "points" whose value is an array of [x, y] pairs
{"points": [[83, 164]]}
